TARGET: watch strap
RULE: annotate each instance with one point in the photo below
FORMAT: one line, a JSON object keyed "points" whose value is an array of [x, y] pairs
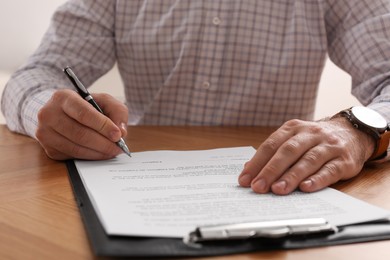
{"points": [[381, 147], [381, 139]]}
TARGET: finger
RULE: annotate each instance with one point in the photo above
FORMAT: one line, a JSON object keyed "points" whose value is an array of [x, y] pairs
{"points": [[263, 154], [84, 113], [286, 156], [58, 147], [281, 150], [114, 109], [307, 165], [329, 174], [86, 137]]}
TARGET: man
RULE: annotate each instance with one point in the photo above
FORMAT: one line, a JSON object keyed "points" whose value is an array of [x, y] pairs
{"points": [[187, 62]]}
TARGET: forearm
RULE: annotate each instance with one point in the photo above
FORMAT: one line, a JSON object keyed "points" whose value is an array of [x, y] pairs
{"points": [[24, 95], [359, 43], [75, 38]]}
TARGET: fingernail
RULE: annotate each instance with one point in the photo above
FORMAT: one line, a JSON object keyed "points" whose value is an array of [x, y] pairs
{"points": [[124, 126], [245, 179], [115, 135], [259, 185], [280, 185], [308, 183]]}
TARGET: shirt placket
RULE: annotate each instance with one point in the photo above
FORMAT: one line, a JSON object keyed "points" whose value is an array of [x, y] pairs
{"points": [[206, 85]]}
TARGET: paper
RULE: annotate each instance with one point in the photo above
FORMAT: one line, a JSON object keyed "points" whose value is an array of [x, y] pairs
{"points": [[169, 193]]}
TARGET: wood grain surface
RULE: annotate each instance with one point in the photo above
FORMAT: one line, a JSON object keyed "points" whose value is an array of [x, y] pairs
{"points": [[39, 218]]}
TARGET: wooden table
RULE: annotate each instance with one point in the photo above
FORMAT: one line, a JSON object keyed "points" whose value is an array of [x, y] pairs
{"points": [[39, 218]]}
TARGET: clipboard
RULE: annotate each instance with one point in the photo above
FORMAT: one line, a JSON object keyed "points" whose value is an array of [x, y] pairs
{"points": [[155, 247]]}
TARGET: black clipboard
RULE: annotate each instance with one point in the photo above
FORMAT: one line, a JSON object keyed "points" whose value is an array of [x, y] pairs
{"points": [[152, 247]]}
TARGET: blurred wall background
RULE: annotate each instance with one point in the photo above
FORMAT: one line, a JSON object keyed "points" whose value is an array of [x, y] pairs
{"points": [[23, 22]]}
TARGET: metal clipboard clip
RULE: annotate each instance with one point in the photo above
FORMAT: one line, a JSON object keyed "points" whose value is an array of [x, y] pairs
{"points": [[265, 229]]}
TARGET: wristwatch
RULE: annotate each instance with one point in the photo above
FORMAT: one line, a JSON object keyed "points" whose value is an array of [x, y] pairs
{"points": [[372, 123]]}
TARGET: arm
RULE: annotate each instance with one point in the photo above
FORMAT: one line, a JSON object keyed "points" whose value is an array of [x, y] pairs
{"points": [[359, 43], [313, 155], [35, 101]]}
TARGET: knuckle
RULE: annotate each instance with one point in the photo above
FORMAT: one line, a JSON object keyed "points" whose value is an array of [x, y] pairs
{"points": [[270, 145], [42, 114], [293, 176], [45, 114], [292, 123], [292, 126], [291, 147], [271, 169], [315, 129], [58, 96], [333, 170], [311, 157], [334, 140]]}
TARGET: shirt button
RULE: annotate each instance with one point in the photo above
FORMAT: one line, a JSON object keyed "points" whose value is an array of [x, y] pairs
{"points": [[206, 85], [216, 21]]}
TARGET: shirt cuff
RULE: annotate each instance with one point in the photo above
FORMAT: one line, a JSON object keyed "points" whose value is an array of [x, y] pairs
{"points": [[30, 109]]}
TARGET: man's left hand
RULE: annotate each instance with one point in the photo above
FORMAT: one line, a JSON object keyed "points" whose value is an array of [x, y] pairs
{"points": [[307, 155]]}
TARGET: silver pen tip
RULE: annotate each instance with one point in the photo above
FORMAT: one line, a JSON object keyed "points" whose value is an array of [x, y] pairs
{"points": [[124, 147]]}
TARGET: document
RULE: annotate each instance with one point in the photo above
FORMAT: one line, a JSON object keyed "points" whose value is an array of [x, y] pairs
{"points": [[170, 193]]}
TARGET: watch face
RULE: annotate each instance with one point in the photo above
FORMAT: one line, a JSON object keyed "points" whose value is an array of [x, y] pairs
{"points": [[369, 117]]}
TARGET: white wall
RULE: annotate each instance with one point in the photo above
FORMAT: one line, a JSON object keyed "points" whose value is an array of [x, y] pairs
{"points": [[334, 92], [23, 22]]}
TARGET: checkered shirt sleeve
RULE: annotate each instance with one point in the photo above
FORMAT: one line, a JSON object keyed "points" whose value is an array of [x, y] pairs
{"points": [[188, 62]]}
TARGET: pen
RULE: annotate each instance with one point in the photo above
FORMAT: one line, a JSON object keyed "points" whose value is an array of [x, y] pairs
{"points": [[83, 92]]}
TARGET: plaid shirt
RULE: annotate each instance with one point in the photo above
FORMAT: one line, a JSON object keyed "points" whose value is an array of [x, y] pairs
{"points": [[199, 62]]}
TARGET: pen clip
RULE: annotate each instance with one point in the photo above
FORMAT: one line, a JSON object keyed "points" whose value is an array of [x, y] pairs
{"points": [[265, 229]]}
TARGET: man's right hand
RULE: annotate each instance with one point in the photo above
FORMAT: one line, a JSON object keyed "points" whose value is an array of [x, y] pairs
{"points": [[69, 127]]}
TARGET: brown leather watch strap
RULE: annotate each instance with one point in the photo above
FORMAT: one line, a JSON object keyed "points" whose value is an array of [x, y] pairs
{"points": [[381, 147], [381, 139]]}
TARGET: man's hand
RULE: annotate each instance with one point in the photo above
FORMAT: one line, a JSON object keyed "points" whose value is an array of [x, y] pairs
{"points": [[307, 155], [69, 127]]}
